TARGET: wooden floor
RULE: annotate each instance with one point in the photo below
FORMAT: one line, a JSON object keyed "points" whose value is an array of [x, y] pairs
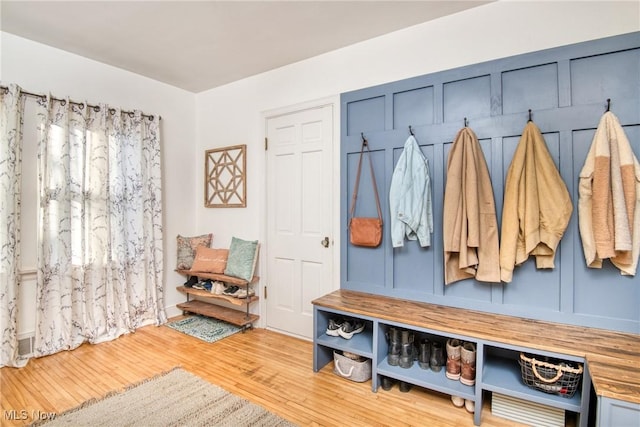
{"points": [[265, 367]]}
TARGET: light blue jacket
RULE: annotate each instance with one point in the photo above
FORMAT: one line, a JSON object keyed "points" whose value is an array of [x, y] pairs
{"points": [[410, 197]]}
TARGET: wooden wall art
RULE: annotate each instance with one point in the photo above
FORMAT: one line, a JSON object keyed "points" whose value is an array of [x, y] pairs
{"points": [[225, 177]]}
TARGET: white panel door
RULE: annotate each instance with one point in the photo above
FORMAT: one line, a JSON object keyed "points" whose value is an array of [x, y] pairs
{"points": [[299, 243]]}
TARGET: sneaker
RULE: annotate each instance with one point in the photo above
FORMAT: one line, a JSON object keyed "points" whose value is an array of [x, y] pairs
{"points": [[218, 288], [199, 285], [192, 281], [350, 328], [242, 293], [231, 290], [334, 327], [207, 285]]}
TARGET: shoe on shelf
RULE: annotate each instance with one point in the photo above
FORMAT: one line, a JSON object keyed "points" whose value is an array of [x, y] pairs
{"points": [[334, 327], [199, 285], [192, 281], [351, 327], [207, 285], [242, 293], [231, 290], [453, 359], [218, 288]]}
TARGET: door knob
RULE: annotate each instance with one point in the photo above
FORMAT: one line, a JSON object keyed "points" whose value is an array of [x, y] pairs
{"points": [[325, 242]]}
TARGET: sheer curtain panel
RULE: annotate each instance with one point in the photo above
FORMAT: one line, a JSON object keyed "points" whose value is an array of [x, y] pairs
{"points": [[100, 225], [11, 109]]}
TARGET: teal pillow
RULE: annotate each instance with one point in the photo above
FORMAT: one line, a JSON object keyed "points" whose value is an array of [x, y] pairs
{"points": [[241, 262]]}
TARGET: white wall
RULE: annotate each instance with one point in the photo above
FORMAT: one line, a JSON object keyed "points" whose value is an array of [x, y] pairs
{"points": [[41, 69], [233, 114]]}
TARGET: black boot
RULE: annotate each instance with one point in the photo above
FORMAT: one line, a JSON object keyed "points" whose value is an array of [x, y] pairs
{"points": [[437, 356], [393, 355], [406, 352], [404, 387], [425, 354], [387, 383]]}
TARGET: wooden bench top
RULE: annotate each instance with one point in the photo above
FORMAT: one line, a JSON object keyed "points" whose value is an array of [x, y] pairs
{"points": [[613, 358]]}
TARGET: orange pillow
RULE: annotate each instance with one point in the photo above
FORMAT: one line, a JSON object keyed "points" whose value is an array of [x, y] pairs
{"points": [[210, 260]]}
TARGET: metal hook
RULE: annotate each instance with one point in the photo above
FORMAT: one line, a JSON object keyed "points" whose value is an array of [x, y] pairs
{"points": [[411, 131], [364, 140], [530, 115], [608, 104], [466, 122]]}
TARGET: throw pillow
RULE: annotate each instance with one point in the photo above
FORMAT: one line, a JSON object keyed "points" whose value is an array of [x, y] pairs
{"points": [[243, 255], [187, 249], [210, 260]]}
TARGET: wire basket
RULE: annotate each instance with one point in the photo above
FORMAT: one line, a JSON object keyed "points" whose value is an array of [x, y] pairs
{"points": [[550, 375]]}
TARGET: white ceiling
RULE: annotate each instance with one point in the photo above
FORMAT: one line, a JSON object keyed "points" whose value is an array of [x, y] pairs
{"points": [[198, 45]]}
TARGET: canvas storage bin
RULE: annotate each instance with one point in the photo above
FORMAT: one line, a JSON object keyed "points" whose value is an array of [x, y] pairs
{"points": [[358, 370]]}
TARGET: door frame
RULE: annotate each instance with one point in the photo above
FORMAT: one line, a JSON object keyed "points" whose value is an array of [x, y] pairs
{"points": [[334, 102]]}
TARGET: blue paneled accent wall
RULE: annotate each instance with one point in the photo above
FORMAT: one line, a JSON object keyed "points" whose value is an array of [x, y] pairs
{"points": [[567, 90]]}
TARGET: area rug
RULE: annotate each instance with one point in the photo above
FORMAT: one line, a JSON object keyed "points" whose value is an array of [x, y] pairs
{"points": [[204, 328], [175, 398]]}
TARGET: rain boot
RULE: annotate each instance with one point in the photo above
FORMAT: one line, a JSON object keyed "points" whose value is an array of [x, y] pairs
{"points": [[424, 354], [406, 351], [437, 356], [393, 355]]}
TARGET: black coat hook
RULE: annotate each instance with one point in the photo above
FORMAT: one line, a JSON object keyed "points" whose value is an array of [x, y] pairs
{"points": [[530, 120], [608, 104], [466, 122], [411, 131], [364, 140]]}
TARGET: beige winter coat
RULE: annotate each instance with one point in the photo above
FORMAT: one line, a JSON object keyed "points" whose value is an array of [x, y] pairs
{"points": [[470, 227], [609, 204], [536, 208]]}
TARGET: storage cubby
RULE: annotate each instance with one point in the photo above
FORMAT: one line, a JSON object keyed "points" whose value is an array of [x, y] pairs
{"points": [[426, 378], [324, 345], [501, 374]]}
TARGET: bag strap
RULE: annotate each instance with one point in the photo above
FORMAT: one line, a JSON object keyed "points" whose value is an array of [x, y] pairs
{"points": [[365, 144]]}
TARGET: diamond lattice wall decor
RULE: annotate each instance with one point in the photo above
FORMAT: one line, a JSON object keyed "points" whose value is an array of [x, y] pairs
{"points": [[224, 180]]}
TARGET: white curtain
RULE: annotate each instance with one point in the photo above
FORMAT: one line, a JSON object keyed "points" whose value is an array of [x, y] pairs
{"points": [[11, 109], [100, 225]]}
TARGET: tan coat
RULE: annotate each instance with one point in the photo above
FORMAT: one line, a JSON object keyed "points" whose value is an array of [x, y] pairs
{"points": [[609, 204], [470, 227], [536, 208]]}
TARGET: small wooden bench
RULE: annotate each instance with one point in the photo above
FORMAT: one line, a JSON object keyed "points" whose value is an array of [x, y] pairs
{"points": [[612, 358]]}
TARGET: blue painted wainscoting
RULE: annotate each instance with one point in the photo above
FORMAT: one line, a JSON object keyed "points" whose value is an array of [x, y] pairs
{"points": [[567, 90]]}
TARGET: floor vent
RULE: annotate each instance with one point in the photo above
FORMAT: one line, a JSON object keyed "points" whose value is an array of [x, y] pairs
{"points": [[25, 346], [526, 412]]}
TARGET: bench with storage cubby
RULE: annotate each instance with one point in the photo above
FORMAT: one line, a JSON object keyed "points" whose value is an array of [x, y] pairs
{"points": [[610, 359]]}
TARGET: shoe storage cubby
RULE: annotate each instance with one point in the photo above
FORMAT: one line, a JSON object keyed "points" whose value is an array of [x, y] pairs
{"points": [[426, 378], [324, 345]]}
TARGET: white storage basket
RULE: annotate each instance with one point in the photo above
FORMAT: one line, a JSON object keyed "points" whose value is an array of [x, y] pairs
{"points": [[354, 370]]}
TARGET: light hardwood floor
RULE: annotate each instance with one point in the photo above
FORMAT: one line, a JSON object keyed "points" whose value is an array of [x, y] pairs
{"points": [[265, 367]]}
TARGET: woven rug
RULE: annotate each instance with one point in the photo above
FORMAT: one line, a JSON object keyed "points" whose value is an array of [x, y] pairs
{"points": [[175, 398], [205, 328]]}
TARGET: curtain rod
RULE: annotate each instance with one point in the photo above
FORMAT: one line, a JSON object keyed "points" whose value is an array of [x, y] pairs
{"points": [[96, 108]]}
